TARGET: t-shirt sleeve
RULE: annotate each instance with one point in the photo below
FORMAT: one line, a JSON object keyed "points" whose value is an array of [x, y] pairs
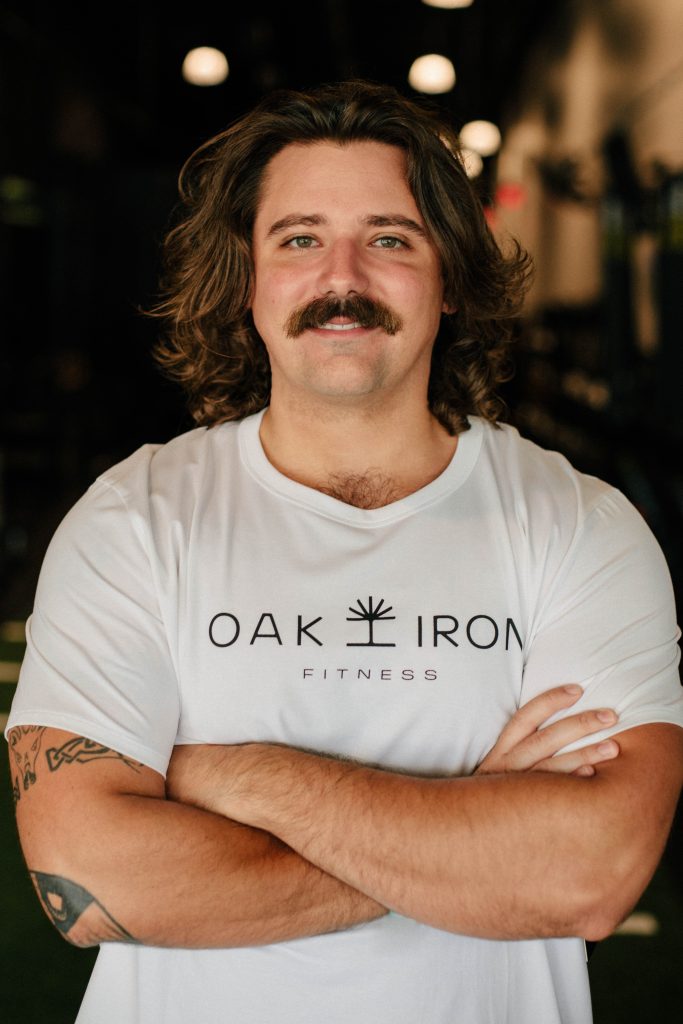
{"points": [[98, 661], [608, 622]]}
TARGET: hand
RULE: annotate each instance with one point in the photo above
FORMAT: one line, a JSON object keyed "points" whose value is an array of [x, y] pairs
{"points": [[523, 746]]}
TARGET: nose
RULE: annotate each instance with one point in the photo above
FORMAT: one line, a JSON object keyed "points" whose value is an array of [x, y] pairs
{"points": [[343, 269]]}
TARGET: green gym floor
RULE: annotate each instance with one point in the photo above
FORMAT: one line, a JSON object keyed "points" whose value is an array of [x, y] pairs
{"points": [[636, 975]]}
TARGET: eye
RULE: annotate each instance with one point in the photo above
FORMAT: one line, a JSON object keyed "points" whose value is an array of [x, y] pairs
{"points": [[300, 242], [390, 242]]}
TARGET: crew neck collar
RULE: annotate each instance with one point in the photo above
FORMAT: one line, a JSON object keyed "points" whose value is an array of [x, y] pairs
{"points": [[453, 476]]}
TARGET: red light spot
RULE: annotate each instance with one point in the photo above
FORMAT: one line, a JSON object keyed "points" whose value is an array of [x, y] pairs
{"points": [[491, 216], [510, 195]]}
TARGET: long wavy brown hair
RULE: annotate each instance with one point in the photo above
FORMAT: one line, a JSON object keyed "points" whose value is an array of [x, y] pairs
{"points": [[211, 346]]}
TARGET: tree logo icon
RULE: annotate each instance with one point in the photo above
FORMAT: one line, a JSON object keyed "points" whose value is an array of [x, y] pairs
{"points": [[371, 614]]}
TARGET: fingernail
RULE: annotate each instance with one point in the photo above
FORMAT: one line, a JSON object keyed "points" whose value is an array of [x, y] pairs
{"points": [[573, 688], [607, 716], [608, 747]]}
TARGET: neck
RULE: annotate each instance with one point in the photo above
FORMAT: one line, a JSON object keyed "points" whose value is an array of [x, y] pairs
{"points": [[365, 457]]}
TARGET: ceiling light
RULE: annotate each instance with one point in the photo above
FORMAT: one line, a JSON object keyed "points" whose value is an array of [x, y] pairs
{"points": [[205, 66], [481, 136], [432, 74], [448, 5], [474, 164]]}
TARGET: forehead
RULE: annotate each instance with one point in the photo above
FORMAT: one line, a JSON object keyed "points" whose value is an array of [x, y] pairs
{"points": [[356, 178]]}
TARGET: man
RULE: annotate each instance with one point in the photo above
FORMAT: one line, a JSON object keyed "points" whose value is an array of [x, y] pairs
{"points": [[349, 612]]}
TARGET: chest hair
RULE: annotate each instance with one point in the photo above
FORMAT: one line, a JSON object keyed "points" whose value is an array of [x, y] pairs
{"points": [[363, 490]]}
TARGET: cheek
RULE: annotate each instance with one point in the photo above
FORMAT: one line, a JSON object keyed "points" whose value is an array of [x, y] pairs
{"points": [[418, 298], [276, 295], [278, 291], [412, 283]]}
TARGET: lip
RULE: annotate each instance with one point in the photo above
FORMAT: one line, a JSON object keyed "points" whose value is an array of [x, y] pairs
{"points": [[336, 325], [340, 332]]}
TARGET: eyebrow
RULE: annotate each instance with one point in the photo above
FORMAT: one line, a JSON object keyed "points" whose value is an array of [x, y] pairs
{"points": [[395, 220], [387, 220], [295, 220]]}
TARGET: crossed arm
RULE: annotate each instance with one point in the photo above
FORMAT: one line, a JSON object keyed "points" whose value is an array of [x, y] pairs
{"points": [[282, 843], [498, 856], [112, 859]]}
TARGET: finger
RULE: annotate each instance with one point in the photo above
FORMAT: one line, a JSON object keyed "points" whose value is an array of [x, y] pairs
{"points": [[528, 718], [546, 742], [575, 761]]}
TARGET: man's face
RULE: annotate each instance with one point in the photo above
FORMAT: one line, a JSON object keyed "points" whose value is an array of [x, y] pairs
{"points": [[339, 223]]}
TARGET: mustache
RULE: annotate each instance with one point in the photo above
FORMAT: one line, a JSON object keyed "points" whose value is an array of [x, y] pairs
{"points": [[367, 312]]}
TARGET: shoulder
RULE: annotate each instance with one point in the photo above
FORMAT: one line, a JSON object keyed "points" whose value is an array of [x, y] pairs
{"points": [[174, 465], [130, 506], [542, 480], [162, 477], [544, 493], [564, 515]]}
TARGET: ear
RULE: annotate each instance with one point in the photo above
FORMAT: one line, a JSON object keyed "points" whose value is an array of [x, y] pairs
{"points": [[447, 308]]}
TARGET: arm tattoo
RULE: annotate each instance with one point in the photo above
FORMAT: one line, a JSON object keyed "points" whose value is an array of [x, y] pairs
{"points": [[24, 744], [81, 750], [76, 913]]}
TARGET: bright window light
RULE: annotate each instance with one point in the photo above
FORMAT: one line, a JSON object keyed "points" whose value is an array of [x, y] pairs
{"points": [[205, 66], [432, 74]]}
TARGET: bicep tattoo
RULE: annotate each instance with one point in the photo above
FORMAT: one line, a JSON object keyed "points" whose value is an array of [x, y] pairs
{"points": [[79, 750], [75, 912], [25, 743]]}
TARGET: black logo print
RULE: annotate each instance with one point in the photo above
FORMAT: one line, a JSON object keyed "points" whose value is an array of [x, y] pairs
{"points": [[370, 614], [480, 630]]}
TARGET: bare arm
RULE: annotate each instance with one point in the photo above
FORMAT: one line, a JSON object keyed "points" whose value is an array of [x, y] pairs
{"points": [[112, 859], [499, 855]]}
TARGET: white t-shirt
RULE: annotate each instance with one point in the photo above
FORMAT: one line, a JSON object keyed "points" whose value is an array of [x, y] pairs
{"points": [[195, 594]]}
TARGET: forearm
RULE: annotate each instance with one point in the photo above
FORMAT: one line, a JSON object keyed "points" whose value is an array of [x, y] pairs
{"points": [[176, 876], [124, 863], [497, 856], [467, 855]]}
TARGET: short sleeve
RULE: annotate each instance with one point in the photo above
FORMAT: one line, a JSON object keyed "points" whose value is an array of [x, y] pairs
{"points": [[609, 623], [98, 661]]}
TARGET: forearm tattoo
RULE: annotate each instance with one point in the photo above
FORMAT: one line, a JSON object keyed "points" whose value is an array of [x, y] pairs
{"points": [[25, 742], [75, 912]]}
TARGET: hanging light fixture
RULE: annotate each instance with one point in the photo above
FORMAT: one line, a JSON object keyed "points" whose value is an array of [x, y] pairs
{"points": [[474, 164], [205, 65], [432, 73], [481, 136], [448, 5]]}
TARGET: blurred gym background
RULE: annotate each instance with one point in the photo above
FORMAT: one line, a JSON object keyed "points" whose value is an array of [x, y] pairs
{"points": [[580, 156]]}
